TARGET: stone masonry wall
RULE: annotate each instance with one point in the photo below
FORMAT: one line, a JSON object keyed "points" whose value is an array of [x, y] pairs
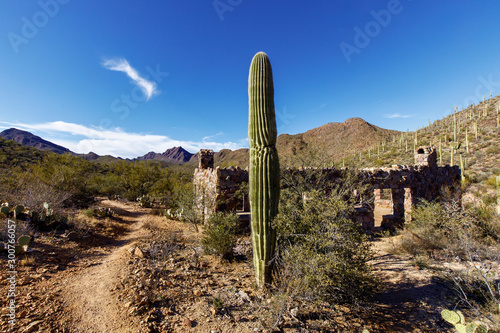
{"points": [[216, 188]]}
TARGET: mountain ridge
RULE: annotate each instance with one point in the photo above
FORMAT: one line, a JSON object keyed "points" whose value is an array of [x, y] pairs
{"points": [[29, 139], [336, 140]]}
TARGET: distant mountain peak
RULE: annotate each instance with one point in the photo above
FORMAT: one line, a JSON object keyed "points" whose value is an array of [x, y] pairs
{"points": [[31, 140], [176, 155]]}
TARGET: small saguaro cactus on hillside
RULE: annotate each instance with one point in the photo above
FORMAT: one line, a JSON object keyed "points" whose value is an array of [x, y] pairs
{"points": [[264, 178], [498, 195]]}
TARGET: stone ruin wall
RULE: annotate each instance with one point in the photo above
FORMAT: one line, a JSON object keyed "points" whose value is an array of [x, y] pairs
{"points": [[217, 188], [403, 185]]}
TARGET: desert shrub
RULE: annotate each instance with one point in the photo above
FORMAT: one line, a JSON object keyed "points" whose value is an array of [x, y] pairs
{"points": [[158, 212], [184, 206], [33, 191], [447, 225], [493, 149], [60, 180], [322, 251], [132, 180], [429, 229], [470, 234], [219, 234], [492, 181], [89, 212]]}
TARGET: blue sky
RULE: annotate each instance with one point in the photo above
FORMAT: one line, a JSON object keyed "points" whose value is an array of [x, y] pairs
{"points": [[128, 77]]}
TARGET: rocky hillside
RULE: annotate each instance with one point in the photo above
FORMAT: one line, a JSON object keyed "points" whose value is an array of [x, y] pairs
{"points": [[469, 138], [333, 141], [31, 140], [472, 134]]}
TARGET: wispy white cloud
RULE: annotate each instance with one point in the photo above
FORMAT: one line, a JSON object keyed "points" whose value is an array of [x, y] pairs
{"points": [[397, 115], [115, 141], [121, 65], [209, 137]]}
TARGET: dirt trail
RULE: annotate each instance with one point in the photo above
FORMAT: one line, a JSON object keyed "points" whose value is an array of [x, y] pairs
{"points": [[91, 293], [411, 295], [94, 284]]}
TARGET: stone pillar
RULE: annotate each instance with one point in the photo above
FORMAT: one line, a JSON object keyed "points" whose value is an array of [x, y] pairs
{"points": [[410, 196], [206, 157], [246, 202], [398, 204]]}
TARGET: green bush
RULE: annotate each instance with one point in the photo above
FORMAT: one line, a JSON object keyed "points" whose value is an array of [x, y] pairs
{"points": [[437, 226], [493, 149], [323, 252], [492, 181], [219, 235]]}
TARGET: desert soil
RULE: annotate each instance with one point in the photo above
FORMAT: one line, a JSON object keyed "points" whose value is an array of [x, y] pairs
{"points": [[137, 272]]}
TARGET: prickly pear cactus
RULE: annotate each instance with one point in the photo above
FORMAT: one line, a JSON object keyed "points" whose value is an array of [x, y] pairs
{"points": [[457, 319], [18, 210], [453, 317], [4, 210], [264, 175], [24, 240], [476, 328]]}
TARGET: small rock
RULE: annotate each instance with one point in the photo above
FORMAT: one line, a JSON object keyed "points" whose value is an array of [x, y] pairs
{"points": [[197, 293], [214, 311], [186, 322], [244, 296], [138, 253]]}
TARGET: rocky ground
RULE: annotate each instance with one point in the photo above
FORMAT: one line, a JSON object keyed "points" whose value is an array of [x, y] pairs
{"points": [[137, 272]]}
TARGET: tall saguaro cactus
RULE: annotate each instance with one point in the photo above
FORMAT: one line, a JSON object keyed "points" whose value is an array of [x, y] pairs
{"points": [[264, 165]]}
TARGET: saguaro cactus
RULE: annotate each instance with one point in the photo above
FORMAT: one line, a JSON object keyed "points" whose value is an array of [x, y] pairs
{"points": [[264, 178], [498, 201]]}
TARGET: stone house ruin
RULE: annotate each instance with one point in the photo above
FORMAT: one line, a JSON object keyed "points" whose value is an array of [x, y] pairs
{"points": [[392, 194], [219, 189]]}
